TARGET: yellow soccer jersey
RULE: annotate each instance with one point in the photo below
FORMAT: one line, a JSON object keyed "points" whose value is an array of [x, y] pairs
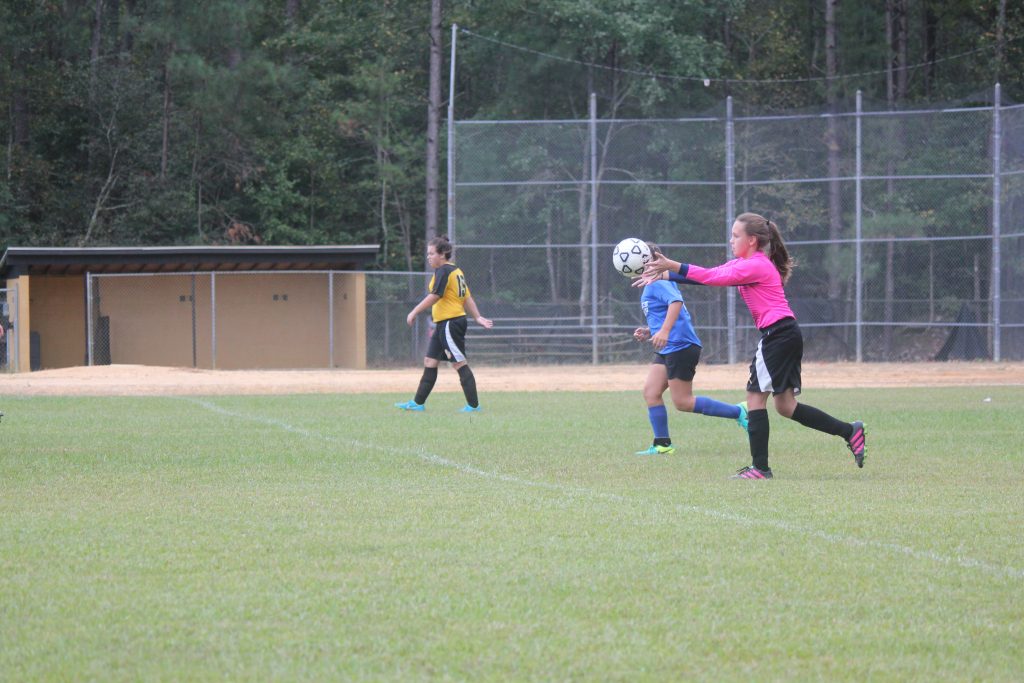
{"points": [[449, 283]]}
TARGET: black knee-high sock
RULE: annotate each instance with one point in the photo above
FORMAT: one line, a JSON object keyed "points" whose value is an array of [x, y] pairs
{"points": [[810, 416], [757, 431], [426, 385], [468, 382]]}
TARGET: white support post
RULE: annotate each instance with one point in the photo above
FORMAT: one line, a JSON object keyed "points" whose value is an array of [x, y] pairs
{"points": [[859, 258], [89, 328], [995, 293], [450, 204], [330, 319], [730, 211], [213, 321], [593, 227]]}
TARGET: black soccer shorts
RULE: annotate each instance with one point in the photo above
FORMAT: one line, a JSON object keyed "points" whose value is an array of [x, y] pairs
{"points": [[449, 340], [681, 364], [776, 363]]}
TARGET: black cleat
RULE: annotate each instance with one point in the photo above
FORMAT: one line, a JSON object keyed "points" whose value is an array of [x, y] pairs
{"points": [[751, 472]]}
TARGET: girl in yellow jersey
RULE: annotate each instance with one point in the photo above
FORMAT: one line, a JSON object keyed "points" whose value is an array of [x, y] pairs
{"points": [[448, 301]]}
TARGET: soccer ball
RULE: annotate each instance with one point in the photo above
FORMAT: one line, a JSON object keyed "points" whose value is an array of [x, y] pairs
{"points": [[631, 256]]}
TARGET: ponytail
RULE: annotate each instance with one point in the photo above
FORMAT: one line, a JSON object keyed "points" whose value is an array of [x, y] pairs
{"points": [[768, 235], [778, 253]]}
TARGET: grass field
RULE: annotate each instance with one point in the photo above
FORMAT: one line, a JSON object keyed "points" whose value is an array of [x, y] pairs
{"points": [[332, 537]]}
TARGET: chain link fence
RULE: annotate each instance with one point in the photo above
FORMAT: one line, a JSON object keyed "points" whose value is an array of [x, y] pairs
{"points": [[906, 225], [285, 320]]}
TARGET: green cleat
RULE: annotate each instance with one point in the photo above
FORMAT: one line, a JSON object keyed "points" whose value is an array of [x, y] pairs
{"points": [[658, 450], [742, 419]]}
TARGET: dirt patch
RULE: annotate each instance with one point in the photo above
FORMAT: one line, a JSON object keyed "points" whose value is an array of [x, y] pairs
{"points": [[139, 380]]}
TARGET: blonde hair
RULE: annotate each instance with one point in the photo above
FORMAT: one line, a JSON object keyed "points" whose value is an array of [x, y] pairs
{"points": [[768, 235]]}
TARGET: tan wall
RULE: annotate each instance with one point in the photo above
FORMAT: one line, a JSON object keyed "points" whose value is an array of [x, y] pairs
{"points": [[257, 330], [350, 320], [263, 320], [58, 315]]}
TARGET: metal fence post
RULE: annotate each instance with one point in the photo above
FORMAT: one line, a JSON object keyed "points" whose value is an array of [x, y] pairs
{"points": [[89, 330], [730, 211], [451, 138], [13, 306], [330, 319], [593, 226], [213, 321], [858, 221], [995, 294]]}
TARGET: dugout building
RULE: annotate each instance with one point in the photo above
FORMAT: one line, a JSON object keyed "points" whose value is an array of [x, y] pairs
{"points": [[249, 307]]}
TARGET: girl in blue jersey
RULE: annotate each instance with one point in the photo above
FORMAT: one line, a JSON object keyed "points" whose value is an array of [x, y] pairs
{"points": [[676, 353]]}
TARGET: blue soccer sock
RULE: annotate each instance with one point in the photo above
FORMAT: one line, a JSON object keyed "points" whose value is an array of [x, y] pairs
{"points": [[658, 416], [709, 406]]}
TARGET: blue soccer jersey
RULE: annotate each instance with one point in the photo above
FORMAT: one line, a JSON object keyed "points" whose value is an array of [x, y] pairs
{"points": [[655, 301]]}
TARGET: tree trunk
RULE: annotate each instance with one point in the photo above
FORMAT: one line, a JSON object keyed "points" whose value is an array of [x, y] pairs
{"points": [[128, 38], [20, 125], [832, 143], [166, 122], [902, 48], [94, 49], [94, 66], [931, 49], [115, 28], [291, 12], [433, 120], [890, 93], [890, 61], [291, 20], [1000, 38], [197, 182]]}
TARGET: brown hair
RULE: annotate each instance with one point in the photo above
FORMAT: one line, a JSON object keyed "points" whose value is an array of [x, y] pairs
{"points": [[442, 246], [768, 235], [655, 249]]}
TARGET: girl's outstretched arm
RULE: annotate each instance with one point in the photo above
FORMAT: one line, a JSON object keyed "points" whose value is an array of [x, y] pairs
{"points": [[658, 264]]}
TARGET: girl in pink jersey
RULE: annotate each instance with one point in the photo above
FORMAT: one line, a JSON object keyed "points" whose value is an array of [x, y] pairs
{"points": [[761, 267]]}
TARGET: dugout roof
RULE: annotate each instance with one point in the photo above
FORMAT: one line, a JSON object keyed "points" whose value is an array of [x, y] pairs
{"points": [[74, 261]]}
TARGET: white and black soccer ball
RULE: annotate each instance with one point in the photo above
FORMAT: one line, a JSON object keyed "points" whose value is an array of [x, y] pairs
{"points": [[631, 256]]}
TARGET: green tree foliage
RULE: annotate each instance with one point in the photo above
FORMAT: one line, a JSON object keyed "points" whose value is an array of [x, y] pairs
{"points": [[301, 122]]}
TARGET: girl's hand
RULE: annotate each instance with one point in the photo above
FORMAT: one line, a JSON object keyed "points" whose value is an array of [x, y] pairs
{"points": [[658, 264], [642, 334], [647, 278], [659, 340], [409, 318], [484, 322]]}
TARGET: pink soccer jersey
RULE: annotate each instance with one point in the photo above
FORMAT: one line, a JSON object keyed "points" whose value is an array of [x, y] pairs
{"points": [[759, 283]]}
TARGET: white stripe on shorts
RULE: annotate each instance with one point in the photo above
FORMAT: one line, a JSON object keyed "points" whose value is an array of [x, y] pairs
{"points": [[457, 353], [764, 378]]}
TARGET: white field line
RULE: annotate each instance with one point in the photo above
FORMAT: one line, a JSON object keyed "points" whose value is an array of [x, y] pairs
{"points": [[742, 520]]}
